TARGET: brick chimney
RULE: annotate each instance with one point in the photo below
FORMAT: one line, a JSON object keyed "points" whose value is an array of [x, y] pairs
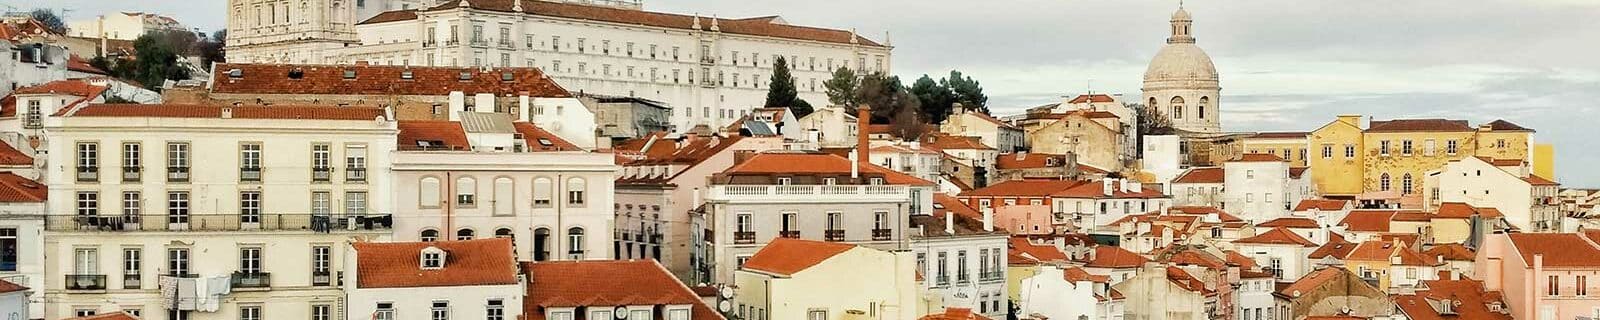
{"points": [[863, 120]]}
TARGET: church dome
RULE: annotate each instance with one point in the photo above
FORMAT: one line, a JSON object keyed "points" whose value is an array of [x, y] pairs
{"points": [[1181, 61], [1181, 15]]}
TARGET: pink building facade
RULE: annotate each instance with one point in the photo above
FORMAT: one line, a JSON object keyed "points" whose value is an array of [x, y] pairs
{"points": [[1543, 275]]}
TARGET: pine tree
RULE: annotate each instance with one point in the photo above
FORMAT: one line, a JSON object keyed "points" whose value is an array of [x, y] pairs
{"points": [[842, 88], [782, 93]]}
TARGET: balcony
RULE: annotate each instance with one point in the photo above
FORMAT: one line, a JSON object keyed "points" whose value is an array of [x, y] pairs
{"points": [[991, 276], [962, 278], [131, 174], [321, 174], [88, 174], [942, 280], [254, 279], [430, 43], [882, 234], [809, 193], [250, 174], [85, 282], [177, 174], [480, 42], [833, 235], [220, 222], [708, 60], [508, 44], [321, 278], [353, 174], [32, 121], [744, 237], [131, 281], [794, 234]]}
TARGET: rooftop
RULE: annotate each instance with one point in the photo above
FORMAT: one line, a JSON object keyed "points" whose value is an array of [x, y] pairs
{"points": [[769, 163], [15, 188], [1568, 250], [359, 79], [1201, 175], [1419, 125], [785, 256], [1321, 204], [466, 263], [237, 112], [1277, 235], [606, 283], [753, 27]]}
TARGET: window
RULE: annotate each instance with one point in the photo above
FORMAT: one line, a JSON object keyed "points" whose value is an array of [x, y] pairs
{"points": [[742, 222], [1383, 148], [541, 192], [599, 313], [88, 203], [880, 220], [321, 312], [440, 310], [384, 311], [495, 309], [9, 249], [250, 162], [1349, 151], [1383, 182], [130, 161], [321, 203], [639, 314], [683, 314], [575, 191], [178, 207], [250, 313], [575, 243], [1405, 184], [1555, 285], [1582, 285], [88, 161], [1428, 147], [429, 235], [817, 315], [961, 266], [1501, 143], [178, 261], [1450, 147], [465, 234], [466, 192], [250, 260], [1405, 147], [321, 162], [355, 162], [355, 203], [432, 258], [428, 193], [321, 259], [250, 207]]}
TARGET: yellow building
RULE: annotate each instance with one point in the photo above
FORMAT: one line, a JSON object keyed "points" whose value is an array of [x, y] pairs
{"points": [[1391, 263], [804, 279], [1292, 146], [1503, 140], [1095, 136], [1544, 162], [1336, 162]]}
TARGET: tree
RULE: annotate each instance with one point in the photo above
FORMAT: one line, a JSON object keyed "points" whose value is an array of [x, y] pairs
{"points": [[967, 92], [211, 49], [842, 88], [891, 103], [781, 93], [50, 20], [220, 36], [157, 59], [935, 98], [1150, 123]]}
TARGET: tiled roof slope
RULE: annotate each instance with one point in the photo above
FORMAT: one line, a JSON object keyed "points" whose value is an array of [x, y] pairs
{"points": [[1419, 125], [239, 112], [10, 156], [15, 188], [754, 27], [381, 80], [785, 256], [467, 263], [606, 283]]}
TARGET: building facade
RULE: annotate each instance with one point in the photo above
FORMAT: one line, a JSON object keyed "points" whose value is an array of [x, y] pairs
{"points": [[1182, 84]]}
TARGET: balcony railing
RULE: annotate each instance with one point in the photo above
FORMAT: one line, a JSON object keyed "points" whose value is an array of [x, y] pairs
{"points": [[353, 174], [791, 191], [131, 281], [88, 174], [882, 234], [32, 121], [508, 44], [429, 43], [480, 43], [252, 279], [86, 282], [789, 234], [220, 222], [251, 174], [321, 174], [744, 237], [177, 174], [990, 276], [833, 235], [321, 278], [131, 174], [942, 280]]}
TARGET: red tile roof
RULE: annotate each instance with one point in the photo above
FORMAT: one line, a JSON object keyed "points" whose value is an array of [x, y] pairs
{"points": [[753, 27], [951, 204], [1313, 280], [1539, 181], [816, 163], [1297, 172], [1290, 222], [1258, 157], [606, 283], [1187, 281], [1336, 247], [949, 142], [1452, 251], [1278, 235], [1413, 216], [1503, 125], [1027, 188], [1198, 258], [382, 80], [392, 16], [1244, 262], [785, 256], [1469, 299], [1419, 125], [1115, 257], [1280, 135], [1076, 274], [955, 314], [535, 138], [1095, 98], [1381, 250], [467, 263], [73, 87], [439, 134], [119, 315], [1559, 249], [10, 156], [1201, 175], [9, 287], [239, 112], [1095, 190], [1368, 220], [76, 63], [1320, 204], [1047, 253], [15, 188]]}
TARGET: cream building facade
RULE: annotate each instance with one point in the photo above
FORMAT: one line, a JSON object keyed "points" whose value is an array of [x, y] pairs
{"points": [[1528, 202], [1182, 84], [124, 25], [771, 287]]}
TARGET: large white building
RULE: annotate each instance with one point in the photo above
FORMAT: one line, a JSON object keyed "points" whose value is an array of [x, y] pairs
{"points": [[124, 25], [711, 70], [236, 212], [1182, 83]]}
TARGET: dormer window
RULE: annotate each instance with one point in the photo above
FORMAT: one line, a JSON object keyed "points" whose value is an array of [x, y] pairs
{"points": [[465, 75], [432, 258], [235, 73], [506, 76], [349, 74], [296, 73], [407, 75]]}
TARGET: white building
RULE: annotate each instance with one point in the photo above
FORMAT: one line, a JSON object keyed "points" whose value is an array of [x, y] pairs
{"points": [[804, 279], [472, 177], [1528, 201], [1161, 156], [29, 106], [1200, 186], [469, 279], [125, 25], [14, 300], [713, 70], [909, 158], [1254, 295], [1058, 292], [1257, 187], [830, 127], [28, 64], [1280, 251], [21, 245], [223, 195], [962, 257]]}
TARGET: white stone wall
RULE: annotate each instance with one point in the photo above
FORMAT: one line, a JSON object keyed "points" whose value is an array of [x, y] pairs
{"points": [[1257, 190], [1048, 293], [24, 217], [976, 289], [1480, 184]]}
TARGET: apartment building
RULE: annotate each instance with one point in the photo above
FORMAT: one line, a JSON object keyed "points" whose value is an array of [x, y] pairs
{"points": [[22, 259], [802, 279], [960, 252], [1528, 202], [227, 196], [470, 279]]}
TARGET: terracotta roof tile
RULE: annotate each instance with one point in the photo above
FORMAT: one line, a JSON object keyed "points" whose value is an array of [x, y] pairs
{"points": [[1115, 257], [1278, 235], [816, 163], [1187, 281], [1201, 175], [1368, 220], [1047, 253], [1097, 191], [949, 142], [1313, 280], [467, 263], [10, 156], [1470, 300], [754, 27], [606, 283], [1539, 181], [1030, 188], [785, 256], [955, 314], [1419, 125], [437, 134], [382, 80], [1297, 172], [76, 63], [1336, 247], [1092, 98], [15, 188], [392, 16], [1244, 262], [1075, 274], [1290, 222], [1413, 216], [119, 315], [73, 87], [537, 139], [1452, 251], [1321, 204], [1280, 135], [239, 112], [1559, 249], [9, 287], [1258, 157], [1198, 258], [1503, 125]]}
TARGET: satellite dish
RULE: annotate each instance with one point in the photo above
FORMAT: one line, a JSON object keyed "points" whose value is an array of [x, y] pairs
{"points": [[619, 313], [725, 306], [726, 292]]}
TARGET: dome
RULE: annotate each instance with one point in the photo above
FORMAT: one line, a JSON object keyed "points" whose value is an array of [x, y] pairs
{"points": [[1181, 61], [1181, 15]]}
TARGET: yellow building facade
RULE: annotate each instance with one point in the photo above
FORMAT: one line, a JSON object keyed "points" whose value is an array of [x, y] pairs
{"points": [[1336, 161], [1544, 162], [1292, 146], [1093, 136], [1395, 155]]}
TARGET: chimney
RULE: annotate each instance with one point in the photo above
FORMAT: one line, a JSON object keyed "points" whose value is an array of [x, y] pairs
{"points": [[863, 120], [523, 107], [740, 156], [949, 222], [227, 112], [988, 219], [1352, 119], [855, 164], [1105, 186], [458, 103], [361, 63]]}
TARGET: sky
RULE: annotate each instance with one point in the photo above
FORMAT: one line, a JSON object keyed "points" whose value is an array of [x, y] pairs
{"points": [[1285, 65]]}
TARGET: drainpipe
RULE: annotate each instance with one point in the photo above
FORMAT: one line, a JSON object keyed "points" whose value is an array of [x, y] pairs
{"points": [[449, 204]]}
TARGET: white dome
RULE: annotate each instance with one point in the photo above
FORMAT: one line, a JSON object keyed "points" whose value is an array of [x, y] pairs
{"points": [[1181, 61], [1181, 15]]}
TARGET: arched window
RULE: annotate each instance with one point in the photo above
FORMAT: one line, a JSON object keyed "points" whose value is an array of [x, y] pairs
{"points": [[575, 243], [1383, 182], [1152, 104], [465, 234], [1177, 107], [1205, 103], [1405, 184], [541, 244], [541, 192], [504, 233], [430, 235], [428, 193], [466, 191], [575, 192]]}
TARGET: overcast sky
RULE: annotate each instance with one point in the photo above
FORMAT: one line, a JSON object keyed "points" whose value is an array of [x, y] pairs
{"points": [[1285, 65]]}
